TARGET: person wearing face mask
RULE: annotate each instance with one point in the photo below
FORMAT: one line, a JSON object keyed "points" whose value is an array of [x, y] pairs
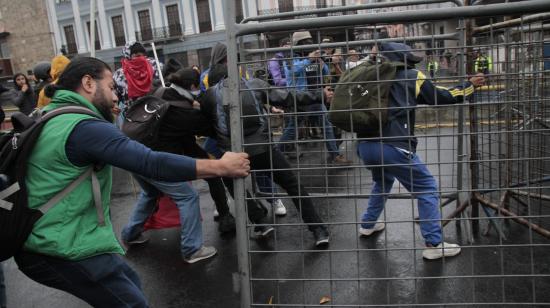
{"points": [[136, 76]]}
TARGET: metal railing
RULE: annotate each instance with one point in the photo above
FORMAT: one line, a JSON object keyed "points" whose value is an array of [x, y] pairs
{"points": [[274, 13], [174, 31], [488, 154]]}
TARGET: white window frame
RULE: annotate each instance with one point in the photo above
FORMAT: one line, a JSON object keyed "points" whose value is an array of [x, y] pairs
{"points": [[136, 18], [112, 29], [64, 37], [87, 35], [165, 15], [212, 14]]}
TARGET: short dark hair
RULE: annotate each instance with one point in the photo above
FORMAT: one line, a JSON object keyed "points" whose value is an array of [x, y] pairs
{"points": [[185, 78], [137, 48], [71, 77]]}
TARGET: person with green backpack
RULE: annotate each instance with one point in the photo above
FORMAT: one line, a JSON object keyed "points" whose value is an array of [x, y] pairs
{"points": [[384, 96]]}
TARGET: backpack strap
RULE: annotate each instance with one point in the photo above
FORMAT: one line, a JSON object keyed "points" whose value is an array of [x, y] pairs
{"points": [[96, 189], [67, 109], [6, 193]]}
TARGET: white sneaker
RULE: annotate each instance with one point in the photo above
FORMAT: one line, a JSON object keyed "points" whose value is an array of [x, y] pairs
{"points": [[440, 251], [204, 252], [378, 226], [280, 209]]}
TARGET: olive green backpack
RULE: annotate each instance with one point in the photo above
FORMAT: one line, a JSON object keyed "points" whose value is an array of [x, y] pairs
{"points": [[360, 102]]}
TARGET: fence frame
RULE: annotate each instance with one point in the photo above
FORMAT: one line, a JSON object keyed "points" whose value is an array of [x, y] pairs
{"points": [[235, 32]]}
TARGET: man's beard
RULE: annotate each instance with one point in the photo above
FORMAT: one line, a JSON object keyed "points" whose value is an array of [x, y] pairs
{"points": [[103, 105]]}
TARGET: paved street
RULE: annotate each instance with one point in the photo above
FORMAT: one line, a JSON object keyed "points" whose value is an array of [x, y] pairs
{"points": [[380, 270]]}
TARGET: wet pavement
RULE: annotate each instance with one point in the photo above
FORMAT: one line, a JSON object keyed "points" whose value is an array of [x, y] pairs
{"points": [[286, 269]]}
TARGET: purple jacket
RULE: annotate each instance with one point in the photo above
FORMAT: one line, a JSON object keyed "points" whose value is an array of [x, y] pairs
{"points": [[277, 71]]}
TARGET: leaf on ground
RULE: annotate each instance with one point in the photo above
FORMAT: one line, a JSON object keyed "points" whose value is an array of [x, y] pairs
{"points": [[324, 300]]}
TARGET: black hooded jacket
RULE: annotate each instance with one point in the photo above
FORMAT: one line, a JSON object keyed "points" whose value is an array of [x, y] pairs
{"points": [[180, 125]]}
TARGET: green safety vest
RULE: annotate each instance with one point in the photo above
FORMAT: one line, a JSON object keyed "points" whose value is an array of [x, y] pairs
{"points": [[70, 229]]}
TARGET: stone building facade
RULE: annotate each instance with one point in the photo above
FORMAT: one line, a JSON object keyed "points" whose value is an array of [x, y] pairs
{"points": [[25, 36]]}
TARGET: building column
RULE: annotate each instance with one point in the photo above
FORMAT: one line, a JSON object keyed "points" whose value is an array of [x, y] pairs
{"points": [[106, 40], [54, 26], [189, 16], [157, 19], [308, 4], [251, 8], [129, 21], [80, 41], [217, 12]]}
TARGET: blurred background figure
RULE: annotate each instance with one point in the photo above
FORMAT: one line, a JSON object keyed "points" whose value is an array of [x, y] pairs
{"points": [[354, 59], [432, 66], [24, 95], [56, 68], [41, 73]]}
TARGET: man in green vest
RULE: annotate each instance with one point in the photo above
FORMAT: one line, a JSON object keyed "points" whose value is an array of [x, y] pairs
{"points": [[73, 247]]}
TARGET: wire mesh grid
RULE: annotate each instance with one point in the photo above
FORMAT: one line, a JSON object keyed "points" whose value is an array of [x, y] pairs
{"points": [[487, 152]]}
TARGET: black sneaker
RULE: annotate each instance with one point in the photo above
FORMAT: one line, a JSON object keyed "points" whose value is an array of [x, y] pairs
{"points": [[140, 239], [226, 223], [263, 231], [321, 236]]}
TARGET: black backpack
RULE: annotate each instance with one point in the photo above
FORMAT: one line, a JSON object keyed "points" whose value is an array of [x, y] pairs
{"points": [[361, 98], [16, 146], [142, 120]]}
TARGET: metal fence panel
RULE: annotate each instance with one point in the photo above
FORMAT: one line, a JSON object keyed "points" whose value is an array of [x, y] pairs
{"points": [[488, 153]]}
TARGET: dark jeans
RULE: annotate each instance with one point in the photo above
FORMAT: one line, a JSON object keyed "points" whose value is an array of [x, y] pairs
{"points": [[2, 287], [215, 185], [102, 281], [256, 211], [288, 181]]}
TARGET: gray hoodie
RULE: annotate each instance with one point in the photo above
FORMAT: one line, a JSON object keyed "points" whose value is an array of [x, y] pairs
{"points": [[219, 54]]}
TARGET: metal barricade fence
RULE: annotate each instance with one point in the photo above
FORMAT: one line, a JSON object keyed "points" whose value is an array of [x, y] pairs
{"points": [[488, 153]]}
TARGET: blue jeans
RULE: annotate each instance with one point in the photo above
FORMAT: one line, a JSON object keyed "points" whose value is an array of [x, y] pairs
{"points": [[265, 184], [412, 173], [289, 132], [103, 280], [187, 201]]}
